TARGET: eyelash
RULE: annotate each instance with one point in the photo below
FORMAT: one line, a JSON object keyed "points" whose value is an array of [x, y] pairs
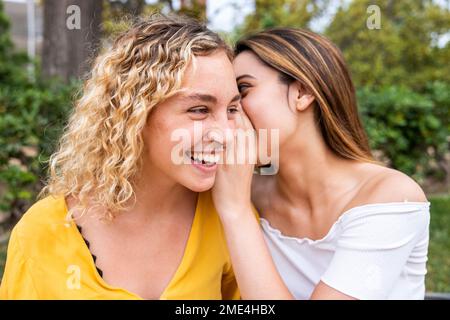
{"points": [[204, 110], [198, 110], [242, 87], [235, 109]]}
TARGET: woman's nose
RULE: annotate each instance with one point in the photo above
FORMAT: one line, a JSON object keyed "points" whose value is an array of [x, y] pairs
{"points": [[215, 136], [217, 128]]}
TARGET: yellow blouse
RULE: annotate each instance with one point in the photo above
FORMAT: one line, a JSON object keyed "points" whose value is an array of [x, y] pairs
{"points": [[47, 258]]}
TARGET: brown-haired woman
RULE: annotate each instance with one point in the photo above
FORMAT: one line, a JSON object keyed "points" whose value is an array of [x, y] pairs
{"points": [[337, 224]]}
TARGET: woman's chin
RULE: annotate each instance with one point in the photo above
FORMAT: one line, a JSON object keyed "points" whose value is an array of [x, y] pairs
{"points": [[200, 185]]}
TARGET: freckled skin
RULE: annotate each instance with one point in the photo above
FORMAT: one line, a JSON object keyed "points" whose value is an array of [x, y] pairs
{"points": [[214, 76]]}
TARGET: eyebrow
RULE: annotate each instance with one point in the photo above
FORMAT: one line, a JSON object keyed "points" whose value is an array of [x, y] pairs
{"points": [[244, 76], [209, 98], [236, 98], [202, 97]]}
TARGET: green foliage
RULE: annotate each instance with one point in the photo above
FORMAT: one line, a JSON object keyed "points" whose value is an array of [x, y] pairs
{"points": [[410, 129], [5, 41], [438, 277], [32, 113], [196, 10], [118, 15], [3, 249], [274, 13], [31, 118], [403, 51]]}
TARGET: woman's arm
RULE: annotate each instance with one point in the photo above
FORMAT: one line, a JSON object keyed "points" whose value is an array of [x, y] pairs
{"points": [[325, 292], [255, 271]]}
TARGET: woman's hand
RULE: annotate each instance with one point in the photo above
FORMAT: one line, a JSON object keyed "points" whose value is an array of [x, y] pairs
{"points": [[255, 271], [232, 188]]}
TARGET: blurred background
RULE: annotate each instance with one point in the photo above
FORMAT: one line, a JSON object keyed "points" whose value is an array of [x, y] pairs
{"points": [[398, 53]]}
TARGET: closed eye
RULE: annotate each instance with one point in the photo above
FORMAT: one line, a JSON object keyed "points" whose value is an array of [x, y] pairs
{"points": [[242, 87]]}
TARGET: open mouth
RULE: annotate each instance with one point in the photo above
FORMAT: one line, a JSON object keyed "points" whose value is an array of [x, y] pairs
{"points": [[204, 159]]}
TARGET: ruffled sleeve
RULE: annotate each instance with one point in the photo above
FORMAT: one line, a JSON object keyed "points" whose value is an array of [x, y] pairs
{"points": [[375, 245]]}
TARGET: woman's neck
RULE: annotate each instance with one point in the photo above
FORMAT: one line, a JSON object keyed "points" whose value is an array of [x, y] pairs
{"points": [[312, 176], [157, 196]]}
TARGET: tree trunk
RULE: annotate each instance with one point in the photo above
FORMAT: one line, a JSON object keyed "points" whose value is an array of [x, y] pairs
{"points": [[69, 46]]}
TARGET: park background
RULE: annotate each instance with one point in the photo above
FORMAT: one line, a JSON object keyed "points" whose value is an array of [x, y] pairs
{"points": [[398, 53]]}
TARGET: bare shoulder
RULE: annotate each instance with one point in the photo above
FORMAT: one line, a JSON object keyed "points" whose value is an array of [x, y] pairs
{"points": [[389, 185]]}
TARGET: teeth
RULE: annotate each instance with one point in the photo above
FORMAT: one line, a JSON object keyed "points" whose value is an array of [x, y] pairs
{"points": [[210, 158]]}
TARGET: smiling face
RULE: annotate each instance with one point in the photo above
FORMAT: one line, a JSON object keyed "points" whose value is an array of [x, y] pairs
{"points": [[210, 98]]}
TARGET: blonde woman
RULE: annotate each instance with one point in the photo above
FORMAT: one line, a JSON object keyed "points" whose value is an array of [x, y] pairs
{"points": [[119, 219], [337, 224]]}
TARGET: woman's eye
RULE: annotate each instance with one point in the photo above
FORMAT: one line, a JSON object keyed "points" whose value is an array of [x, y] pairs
{"points": [[233, 109], [198, 110], [242, 87]]}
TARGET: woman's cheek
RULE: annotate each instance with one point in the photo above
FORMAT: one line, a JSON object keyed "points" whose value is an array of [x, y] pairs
{"points": [[263, 115], [250, 108]]}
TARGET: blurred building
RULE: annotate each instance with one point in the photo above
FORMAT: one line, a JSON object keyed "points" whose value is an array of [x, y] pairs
{"points": [[26, 24]]}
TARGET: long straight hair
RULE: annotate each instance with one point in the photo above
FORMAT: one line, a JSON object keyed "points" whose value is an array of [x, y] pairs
{"points": [[318, 65]]}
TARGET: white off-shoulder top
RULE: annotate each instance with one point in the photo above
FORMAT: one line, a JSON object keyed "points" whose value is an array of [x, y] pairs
{"points": [[375, 251]]}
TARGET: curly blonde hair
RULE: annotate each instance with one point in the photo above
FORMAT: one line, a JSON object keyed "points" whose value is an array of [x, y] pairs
{"points": [[99, 153]]}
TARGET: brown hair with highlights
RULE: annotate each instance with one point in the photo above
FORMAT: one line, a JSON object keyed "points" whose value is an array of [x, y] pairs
{"points": [[318, 65]]}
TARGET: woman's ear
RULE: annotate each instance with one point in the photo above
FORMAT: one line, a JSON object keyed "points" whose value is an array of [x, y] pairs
{"points": [[304, 100], [299, 97]]}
